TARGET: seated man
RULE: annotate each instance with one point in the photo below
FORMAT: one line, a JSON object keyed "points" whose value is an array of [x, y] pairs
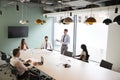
{"points": [[46, 44], [23, 71]]}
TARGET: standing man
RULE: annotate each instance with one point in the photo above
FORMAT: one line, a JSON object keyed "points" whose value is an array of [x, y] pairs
{"points": [[46, 44], [65, 40]]}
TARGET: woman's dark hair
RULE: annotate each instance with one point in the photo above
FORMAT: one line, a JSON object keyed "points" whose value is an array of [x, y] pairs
{"points": [[22, 43], [84, 47], [15, 51]]}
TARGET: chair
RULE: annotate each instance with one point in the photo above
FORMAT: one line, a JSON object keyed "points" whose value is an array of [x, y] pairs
{"points": [[30, 76], [68, 53], [87, 58], [7, 60], [106, 64], [14, 72]]}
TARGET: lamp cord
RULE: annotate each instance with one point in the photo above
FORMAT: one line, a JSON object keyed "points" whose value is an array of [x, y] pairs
{"points": [[22, 11], [108, 13]]}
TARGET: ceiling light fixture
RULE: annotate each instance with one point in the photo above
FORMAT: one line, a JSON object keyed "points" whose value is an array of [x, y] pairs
{"points": [[22, 21], [45, 15], [117, 19], [0, 9], [90, 20], [68, 20], [24, 1], [116, 9], [39, 21], [59, 1], [17, 7], [107, 21], [70, 13], [0, 12]]}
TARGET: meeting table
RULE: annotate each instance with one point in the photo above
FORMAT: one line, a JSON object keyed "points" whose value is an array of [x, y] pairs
{"points": [[54, 66]]}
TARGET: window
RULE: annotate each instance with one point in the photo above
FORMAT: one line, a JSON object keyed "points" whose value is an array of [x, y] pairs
{"points": [[94, 36]]}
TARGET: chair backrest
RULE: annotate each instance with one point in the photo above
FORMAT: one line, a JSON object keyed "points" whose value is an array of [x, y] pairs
{"points": [[14, 71], [68, 53], [87, 58], [3, 56], [106, 64]]}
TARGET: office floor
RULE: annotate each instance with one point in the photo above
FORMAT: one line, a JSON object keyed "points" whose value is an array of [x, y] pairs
{"points": [[7, 76]]}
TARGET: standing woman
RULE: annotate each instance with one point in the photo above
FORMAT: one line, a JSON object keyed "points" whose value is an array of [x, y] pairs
{"points": [[23, 45]]}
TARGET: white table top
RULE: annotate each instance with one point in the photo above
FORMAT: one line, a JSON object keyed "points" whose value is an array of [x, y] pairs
{"points": [[79, 70]]}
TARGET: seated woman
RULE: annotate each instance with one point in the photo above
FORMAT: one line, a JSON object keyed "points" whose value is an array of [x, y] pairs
{"points": [[84, 54], [23, 45]]}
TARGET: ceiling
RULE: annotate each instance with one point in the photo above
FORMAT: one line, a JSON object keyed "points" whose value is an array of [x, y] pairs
{"points": [[50, 6]]}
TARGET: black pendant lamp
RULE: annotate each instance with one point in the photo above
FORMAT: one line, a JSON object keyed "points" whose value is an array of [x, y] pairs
{"points": [[107, 21], [116, 9], [0, 9], [17, 7], [117, 19], [0, 12]]}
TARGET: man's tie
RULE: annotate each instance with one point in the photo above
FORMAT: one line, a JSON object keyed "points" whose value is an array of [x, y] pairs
{"points": [[63, 38]]}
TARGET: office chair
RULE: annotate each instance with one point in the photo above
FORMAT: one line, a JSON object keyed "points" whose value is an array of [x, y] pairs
{"points": [[30, 76], [106, 64], [68, 53], [7, 60], [87, 58], [14, 72]]}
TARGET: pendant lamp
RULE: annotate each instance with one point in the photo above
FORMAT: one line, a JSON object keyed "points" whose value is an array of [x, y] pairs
{"points": [[90, 20], [117, 19], [116, 9], [68, 20], [23, 21], [0, 12], [17, 7], [38, 21], [107, 21], [0, 9]]}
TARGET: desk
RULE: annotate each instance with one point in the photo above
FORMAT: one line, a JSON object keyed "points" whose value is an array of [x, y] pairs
{"points": [[79, 70]]}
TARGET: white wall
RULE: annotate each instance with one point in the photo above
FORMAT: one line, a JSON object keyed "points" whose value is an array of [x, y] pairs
{"points": [[113, 45]]}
